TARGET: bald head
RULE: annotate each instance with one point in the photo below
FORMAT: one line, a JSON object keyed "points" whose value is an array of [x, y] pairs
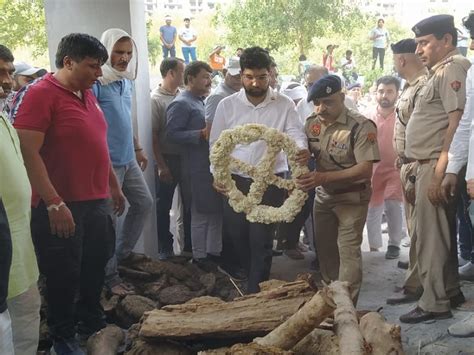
{"points": [[314, 73], [407, 64]]}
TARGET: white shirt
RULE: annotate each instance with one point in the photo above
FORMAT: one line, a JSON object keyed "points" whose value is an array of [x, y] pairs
{"points": [[187, 34], [276, 111], [462, 146]]}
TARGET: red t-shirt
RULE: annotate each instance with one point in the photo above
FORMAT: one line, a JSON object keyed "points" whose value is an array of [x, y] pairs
{"points": [[75, 149]]}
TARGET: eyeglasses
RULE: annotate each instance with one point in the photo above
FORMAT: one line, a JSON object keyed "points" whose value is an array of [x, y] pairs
{"points": [[260, 78]]}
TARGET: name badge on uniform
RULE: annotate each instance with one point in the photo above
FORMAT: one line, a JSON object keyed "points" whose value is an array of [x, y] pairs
{"points": [[338, 145], [313, 140]]}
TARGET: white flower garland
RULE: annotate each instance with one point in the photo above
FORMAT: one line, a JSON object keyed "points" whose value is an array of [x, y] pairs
{"points": [[223, 163]]}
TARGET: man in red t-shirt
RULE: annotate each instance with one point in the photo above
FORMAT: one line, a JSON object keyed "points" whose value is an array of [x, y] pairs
{"points": [[63, 139]]}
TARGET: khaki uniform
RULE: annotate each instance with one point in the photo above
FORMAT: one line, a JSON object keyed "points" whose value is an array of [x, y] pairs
{"points": [[434, 230], [340, 209], [405, 106]]}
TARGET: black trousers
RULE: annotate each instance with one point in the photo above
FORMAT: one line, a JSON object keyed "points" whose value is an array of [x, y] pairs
{"points": [[380, 53], [288, 234], [252, 242], [5, 257], [74, 267], [164, 200]]}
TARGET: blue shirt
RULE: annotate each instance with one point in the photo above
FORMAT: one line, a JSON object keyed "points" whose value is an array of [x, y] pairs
{"points": [[185, 119], [168, 33], [115, 100]]}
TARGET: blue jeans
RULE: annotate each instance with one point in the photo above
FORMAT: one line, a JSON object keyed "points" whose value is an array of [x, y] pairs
{"points": [[169, 51], [189, 52], [138, 195]]}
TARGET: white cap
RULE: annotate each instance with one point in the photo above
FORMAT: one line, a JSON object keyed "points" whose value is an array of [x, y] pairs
{"points": [[22, 68], [233, 65]]}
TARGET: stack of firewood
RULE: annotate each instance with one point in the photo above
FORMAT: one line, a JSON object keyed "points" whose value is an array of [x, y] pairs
{"points": [[285, 318]]}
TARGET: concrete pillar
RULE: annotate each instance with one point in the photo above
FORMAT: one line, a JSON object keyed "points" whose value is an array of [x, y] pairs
{"points": [[94, 17]]}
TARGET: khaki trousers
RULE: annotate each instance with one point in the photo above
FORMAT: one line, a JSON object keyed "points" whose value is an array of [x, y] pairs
{"points": [[412, 281], [434, 238], [339, 224]]}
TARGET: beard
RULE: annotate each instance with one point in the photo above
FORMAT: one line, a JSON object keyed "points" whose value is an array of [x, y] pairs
{"points": [[254, 92], [384, 103]]}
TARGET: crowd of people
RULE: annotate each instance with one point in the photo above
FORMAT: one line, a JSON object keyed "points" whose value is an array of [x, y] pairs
{"points": [[71, 162]]}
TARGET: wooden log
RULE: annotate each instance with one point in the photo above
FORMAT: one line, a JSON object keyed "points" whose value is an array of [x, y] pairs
{"points": [[208, 317], [346, 324], [247, 349], [318, 342], [105, 341], [300, 324], [382, 338]]}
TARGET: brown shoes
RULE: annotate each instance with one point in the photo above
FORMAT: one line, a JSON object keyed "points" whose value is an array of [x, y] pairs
{"points": [[418, 315], [404, 296]]}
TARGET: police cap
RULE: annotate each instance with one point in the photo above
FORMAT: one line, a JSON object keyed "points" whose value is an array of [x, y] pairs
{"points": [[324, 87], [407, 45], [434, 24]]}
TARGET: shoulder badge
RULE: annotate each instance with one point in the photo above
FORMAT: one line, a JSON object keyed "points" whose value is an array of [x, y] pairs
{"points": [[455, 85], [316, 129], [372, 137]]}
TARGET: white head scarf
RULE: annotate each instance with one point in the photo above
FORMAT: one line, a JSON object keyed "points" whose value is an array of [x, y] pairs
{"points": [[298, 92], [109, 74]]}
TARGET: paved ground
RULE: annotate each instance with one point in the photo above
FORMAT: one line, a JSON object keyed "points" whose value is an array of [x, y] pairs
{"points": [[381, 276]]}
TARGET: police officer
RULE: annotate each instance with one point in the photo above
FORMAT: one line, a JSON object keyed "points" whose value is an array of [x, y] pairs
{"points": [[429, 133], [409, 67], [344, 144]]}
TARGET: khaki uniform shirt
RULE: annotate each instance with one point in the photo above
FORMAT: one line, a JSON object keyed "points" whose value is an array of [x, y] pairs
{"points": [[405, 106], [444, 92], [333, 147]]}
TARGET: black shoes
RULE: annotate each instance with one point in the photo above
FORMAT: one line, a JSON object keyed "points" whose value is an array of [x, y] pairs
{"points": [[393, 252]]}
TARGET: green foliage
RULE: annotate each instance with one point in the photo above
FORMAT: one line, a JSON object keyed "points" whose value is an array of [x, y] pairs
{"points": [[154, 43], [275, 24], [23, 23]]}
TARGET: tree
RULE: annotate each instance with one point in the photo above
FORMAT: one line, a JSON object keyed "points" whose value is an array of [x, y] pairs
{"points": [[278, 23], [154, 43], [24, 24]]}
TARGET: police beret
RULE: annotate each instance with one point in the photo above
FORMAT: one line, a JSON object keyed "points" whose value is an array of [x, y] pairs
{"points": [[407, 45], [324, 87], [434, 24]]}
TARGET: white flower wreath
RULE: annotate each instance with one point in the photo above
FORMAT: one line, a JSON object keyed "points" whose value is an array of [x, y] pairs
{"points": [[223, 163]]}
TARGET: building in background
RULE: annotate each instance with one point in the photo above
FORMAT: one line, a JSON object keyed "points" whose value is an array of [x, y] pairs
{"points": [[409, 12], [189, 6]]}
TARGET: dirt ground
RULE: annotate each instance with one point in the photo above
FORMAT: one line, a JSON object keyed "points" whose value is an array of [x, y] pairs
{"points": [[380, 278]]}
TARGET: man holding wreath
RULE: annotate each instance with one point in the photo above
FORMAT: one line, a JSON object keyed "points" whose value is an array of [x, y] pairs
{"points": [[256, 102]]}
